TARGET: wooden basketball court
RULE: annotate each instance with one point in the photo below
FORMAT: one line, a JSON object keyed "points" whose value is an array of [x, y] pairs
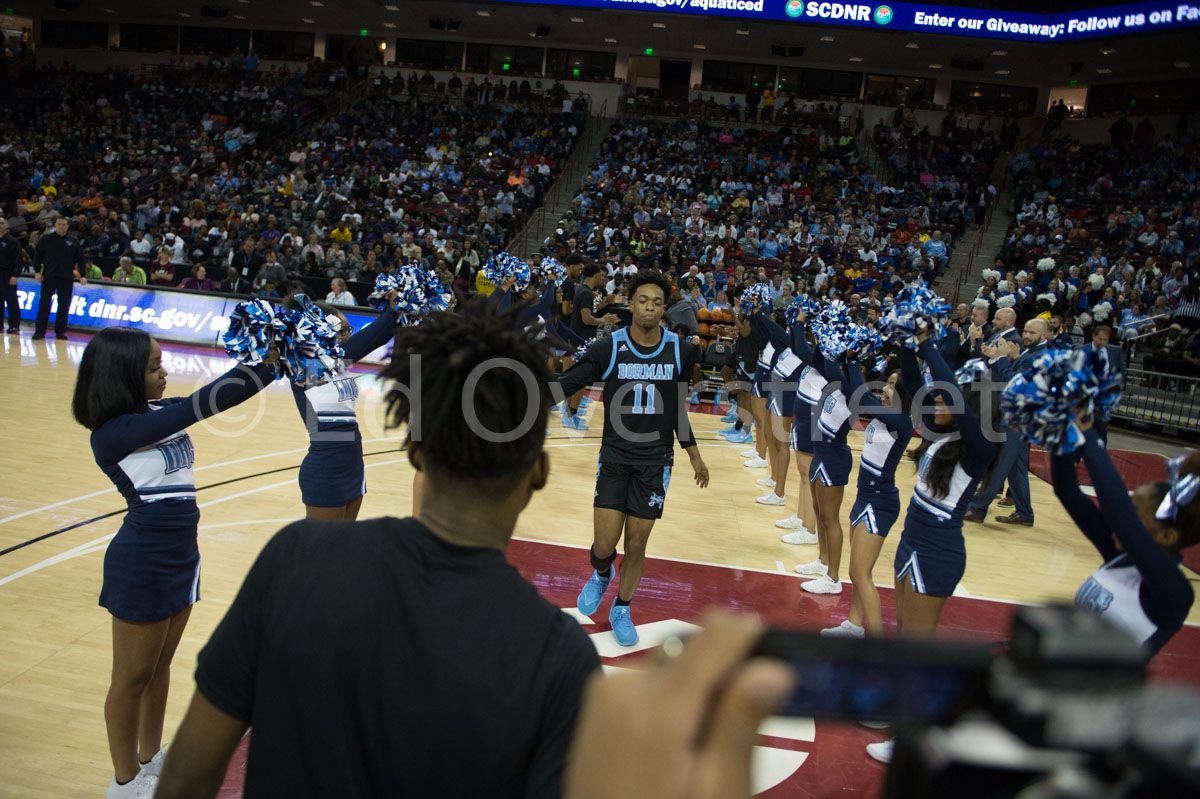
{"points": [[55, 639]]}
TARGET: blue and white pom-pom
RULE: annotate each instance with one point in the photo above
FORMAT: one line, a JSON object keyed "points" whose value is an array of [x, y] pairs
{"points": [[809, 306], [914, 305], [501, 266], [553, 270], [418, 292], [254, 330], [1007, 301], [972, 371], [311, 350], [1046, 400], [1182, 489], [758, 294], [992, 274], [1045, 265], [385, 284]]}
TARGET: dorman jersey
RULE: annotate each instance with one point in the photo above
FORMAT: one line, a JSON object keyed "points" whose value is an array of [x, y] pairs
{"points": [[645, 391]]}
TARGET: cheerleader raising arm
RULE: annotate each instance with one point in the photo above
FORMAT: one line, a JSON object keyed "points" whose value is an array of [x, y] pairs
{"points": [[870, 406], [375, 335], [1086, 515], [118, 436], [980, 452], [1152, 545]]}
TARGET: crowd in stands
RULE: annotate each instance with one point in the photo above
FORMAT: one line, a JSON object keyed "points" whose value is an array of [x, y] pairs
{"points": [[193, 180], [1107, 235], [717, 206]]}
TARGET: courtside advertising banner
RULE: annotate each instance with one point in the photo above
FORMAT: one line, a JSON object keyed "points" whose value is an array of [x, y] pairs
{"points": [[189, 317]]}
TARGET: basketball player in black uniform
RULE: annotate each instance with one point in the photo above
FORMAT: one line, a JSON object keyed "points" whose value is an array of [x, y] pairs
{"points": [[645, 369]]}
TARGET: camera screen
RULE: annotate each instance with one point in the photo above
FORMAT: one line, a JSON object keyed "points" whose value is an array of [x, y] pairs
{"points": [[902, 682]]}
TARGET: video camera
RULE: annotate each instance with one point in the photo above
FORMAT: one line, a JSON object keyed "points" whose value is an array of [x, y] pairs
{"points": [[1064, 713]]}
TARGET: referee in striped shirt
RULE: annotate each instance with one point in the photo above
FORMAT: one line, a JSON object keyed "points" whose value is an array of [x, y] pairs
{"points": [[55, 260]]}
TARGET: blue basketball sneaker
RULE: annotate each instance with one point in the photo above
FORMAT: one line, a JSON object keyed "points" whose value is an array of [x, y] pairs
{"points": [[622, 625], [731, 417], [740, 437], [593, 592]]}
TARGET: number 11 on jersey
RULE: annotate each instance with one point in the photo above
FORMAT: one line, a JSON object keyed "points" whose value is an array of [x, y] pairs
{"points": [[640, 390]]}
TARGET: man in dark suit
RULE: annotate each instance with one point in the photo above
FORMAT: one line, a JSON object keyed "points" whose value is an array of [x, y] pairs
{"points": [[1013, 464], [975, 333], [234, 283], [1110, 361]]}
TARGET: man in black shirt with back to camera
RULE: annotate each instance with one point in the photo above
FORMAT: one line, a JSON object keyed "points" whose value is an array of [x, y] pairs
{"points": [[405, 657]]}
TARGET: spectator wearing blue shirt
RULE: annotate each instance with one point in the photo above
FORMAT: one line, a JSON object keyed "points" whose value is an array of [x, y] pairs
{"points": [[770, 247], [936, 249]]}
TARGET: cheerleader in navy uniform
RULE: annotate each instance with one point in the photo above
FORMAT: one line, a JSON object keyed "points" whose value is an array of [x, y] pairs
{"points": [[932, 555], [1140, 587], [152, 565], [332, 476], [877, 506], [778, 388], [829, 473], [809, 384]]}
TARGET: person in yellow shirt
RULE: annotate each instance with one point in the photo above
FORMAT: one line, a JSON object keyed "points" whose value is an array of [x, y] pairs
{"points": [[768, 101], [341, 233]]}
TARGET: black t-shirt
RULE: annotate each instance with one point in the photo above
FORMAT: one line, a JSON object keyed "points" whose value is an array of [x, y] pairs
{"points": [[568, 296], [645, 393], [373, 659], [584, 298]]}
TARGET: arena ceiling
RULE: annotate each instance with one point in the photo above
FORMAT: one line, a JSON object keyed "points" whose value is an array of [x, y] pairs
{"points": [[1127, 58]]}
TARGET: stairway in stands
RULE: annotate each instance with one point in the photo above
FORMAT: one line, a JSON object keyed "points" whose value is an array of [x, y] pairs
{"points": [[558, 198], [980, 246]]}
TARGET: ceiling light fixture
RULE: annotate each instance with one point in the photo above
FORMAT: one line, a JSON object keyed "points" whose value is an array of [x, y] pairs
{"points": [[239, 16], [700, 46], [316, 3], [392, 7], [1107, 50], [827, 38], [855, 58], [306, 19], [742, 32], [660, 24], [1002, 72], [1104, 71], [610, 40], [1183, 64], [935, 66], [912, 46], [389, 24], [577, 19], [999, 52], [184, 14], [483, 13]]}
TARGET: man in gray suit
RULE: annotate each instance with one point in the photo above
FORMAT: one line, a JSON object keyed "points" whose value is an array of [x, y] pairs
{"points": [[1013, 463]]}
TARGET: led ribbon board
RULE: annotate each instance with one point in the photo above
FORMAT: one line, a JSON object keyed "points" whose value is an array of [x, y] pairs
{"points": [[918, 17]]}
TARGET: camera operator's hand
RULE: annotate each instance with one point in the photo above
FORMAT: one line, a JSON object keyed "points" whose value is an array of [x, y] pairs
{"points": [[681, 729]]}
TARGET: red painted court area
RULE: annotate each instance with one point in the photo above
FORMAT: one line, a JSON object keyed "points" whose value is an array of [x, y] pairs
{"points": [[831, 761]]}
